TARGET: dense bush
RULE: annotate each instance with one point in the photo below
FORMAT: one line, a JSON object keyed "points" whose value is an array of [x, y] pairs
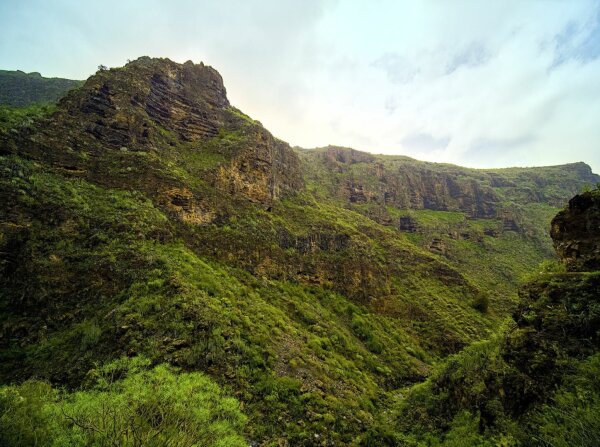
{"points": [[573, 415], [128, 404]]}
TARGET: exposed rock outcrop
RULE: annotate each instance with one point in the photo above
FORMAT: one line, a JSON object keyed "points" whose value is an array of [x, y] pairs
{"points": [[118, 107], [314, 242], [576, 232], [361, 178], [437, 245], [405, 187], [408, 224], [124, 124]]}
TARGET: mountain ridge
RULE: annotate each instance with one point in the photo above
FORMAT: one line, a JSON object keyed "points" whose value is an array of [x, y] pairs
{"points": [[146, 216], [577, 164], [20, 89], [76, 83]]}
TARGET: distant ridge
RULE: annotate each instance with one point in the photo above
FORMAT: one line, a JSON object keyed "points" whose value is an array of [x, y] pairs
{"points": [[20, 89]]}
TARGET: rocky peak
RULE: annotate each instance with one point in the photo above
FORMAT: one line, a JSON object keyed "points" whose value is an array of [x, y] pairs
{"points": [[583, 169], [116, 105], [197, 83], [157, 125], [576, 232]]}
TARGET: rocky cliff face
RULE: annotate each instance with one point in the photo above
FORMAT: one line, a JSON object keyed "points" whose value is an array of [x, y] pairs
{"points": [[185, 99], [401, 182], [125, 124], [417, 188], [134, 106], [576, 232]]}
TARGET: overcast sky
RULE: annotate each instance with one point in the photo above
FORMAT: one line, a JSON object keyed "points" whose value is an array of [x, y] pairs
{"points": [[476, 83]]}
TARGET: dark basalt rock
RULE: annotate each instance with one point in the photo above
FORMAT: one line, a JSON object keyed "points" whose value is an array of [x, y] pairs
{"points": [[314, 242], [575, 232], [408, 224]]}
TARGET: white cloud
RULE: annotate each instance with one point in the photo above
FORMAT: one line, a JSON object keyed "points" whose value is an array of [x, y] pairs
{"points": [[479, 79]]}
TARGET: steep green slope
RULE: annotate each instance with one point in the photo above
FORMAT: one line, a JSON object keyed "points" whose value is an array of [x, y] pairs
{"points": [[90, 274], [19, 89], [146, 216], [535, 383]]}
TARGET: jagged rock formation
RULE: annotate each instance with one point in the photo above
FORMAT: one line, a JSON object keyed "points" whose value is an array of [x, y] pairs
{"points": [[576, 232], [119, 106]]}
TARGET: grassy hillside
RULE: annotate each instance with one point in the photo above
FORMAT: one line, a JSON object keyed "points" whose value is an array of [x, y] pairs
{"points": [[145, 217], [94, 273], [535, 383]]}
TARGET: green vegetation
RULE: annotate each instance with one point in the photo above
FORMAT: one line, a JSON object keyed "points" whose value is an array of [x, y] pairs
{"points": [[127, 404], [18, 89], [533, 383], [122, 283], [201, 285], [15, 119], [571, 417]]}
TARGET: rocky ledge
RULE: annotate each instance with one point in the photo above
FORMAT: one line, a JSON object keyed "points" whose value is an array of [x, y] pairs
{"points": [[576, 232]]}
